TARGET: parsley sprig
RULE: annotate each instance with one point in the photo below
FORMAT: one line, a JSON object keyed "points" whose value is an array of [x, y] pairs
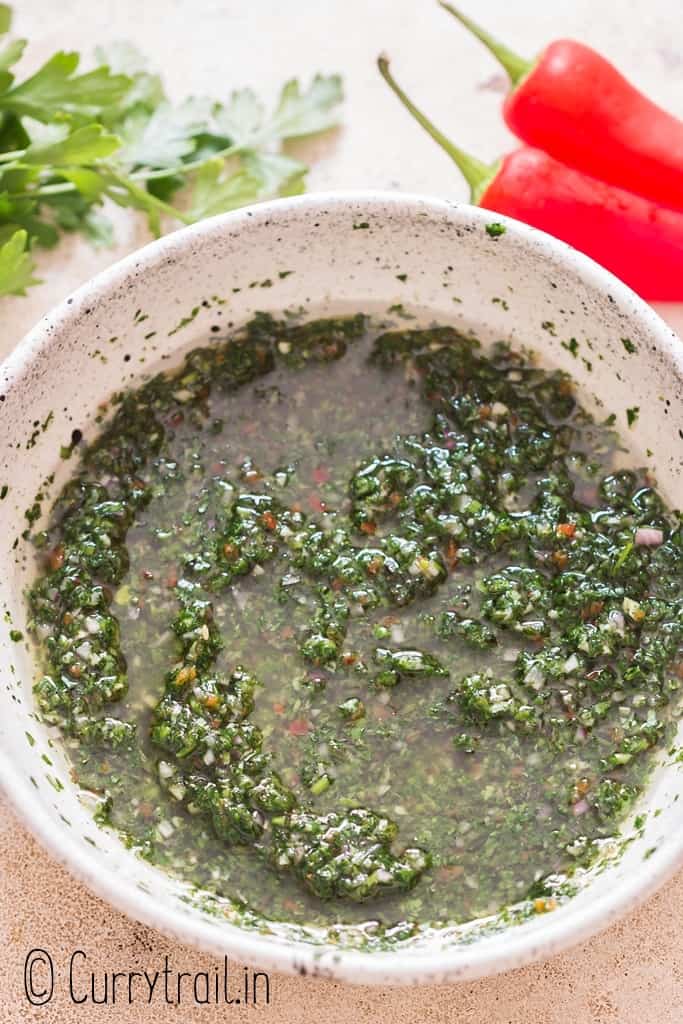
{"points": [[69, 141]]}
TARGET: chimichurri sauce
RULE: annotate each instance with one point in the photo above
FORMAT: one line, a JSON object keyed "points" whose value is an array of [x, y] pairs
{"points": [[352, 625]]}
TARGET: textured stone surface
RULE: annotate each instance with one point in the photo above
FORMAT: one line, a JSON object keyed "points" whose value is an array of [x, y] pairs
{"points": [[631, 974]]}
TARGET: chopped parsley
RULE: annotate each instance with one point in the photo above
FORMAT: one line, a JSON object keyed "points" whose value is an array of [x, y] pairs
{"points": [[359, 617]]}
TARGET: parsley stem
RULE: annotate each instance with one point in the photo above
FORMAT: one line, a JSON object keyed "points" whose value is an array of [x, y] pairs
{"points": [[193, 165], [14, 154], [125, 185], [144, 174], [45, 190], [147, 199]]}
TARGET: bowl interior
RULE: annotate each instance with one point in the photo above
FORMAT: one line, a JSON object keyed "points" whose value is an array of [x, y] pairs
{"points": [[319, 255]]}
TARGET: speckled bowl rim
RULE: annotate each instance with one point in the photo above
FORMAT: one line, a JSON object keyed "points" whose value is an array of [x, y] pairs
{"points": [[400, 967]]}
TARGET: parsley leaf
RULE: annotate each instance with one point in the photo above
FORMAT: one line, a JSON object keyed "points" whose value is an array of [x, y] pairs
{"points": [[55, 89], [165, 137], [278, 174], [298, 113], [216, 193], [70, 143], [146, 90], [83, 146], [242, 119], [16, 266], [89, 183], [12, 53], [261, 175], [304, 113]]}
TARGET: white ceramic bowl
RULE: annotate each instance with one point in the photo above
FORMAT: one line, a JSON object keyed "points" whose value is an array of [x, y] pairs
{"points": [[343, 252]]}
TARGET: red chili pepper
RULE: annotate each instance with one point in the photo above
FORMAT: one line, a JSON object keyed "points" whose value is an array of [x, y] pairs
{"points": [[575, 105], [639, 241], [298, 727]]}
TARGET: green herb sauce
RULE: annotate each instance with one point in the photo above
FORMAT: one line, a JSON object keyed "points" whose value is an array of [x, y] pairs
{"points": [[360, 628]]}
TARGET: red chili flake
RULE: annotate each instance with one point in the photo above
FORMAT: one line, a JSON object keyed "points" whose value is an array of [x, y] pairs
{"points": [[321, 474], [278, 708], [147, 574], [368, 528], [298, 727], [452, 553], [349, 659], [448, 872], [566, 529], [269, 520], [56, 558], [315, 504], [171, 580], [592, 609]]}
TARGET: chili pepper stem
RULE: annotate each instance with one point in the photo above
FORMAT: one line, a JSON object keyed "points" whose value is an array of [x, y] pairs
{"points": [[476, 173], [516, 67]]}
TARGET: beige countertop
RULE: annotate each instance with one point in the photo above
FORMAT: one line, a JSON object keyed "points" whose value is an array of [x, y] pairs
{"points": [[630, 974]]}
